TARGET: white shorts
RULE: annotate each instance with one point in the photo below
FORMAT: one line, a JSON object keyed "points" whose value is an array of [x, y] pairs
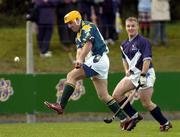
{"points": [[151, 77], [101, 66]]}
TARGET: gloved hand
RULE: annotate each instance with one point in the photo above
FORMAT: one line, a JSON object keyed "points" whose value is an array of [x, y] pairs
{"points": [[142, 80]]}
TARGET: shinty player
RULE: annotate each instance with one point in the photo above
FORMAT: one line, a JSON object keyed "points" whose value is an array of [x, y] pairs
{"points": [[137, 63], [91, 62]]}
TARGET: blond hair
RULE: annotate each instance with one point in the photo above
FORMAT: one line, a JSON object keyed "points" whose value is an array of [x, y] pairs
{"points": [[132, 19]]}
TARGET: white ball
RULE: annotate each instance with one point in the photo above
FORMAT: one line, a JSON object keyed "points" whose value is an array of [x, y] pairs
{"points": [[16, 59]]}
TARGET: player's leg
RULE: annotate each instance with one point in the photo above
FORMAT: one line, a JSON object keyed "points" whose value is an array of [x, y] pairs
{"points": [[145, 98], [102, 92], [72, 77], [122, 87]]}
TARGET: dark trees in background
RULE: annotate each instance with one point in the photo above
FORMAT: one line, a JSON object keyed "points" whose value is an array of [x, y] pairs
{"points": [[19, 7], [14, 7]]}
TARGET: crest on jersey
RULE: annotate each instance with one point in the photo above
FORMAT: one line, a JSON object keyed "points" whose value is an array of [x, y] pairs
{"points": [[134, 47], [5, 90], [79, 89]]}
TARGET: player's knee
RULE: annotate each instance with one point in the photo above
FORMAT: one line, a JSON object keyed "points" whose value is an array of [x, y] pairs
{"points": [[148, 105]]}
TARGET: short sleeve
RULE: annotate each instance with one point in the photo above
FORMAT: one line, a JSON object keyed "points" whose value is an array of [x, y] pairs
{"points": [[146, 50]]}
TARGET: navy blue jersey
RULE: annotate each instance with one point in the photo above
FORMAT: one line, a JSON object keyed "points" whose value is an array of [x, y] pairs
{"points": [[136, 51], [89, 32]]}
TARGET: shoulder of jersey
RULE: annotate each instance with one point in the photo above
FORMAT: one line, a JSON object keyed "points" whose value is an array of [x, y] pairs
{"points": [[86, 27]]}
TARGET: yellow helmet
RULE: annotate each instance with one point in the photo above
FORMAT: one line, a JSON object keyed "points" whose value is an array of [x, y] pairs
{"points": [[72, 16]]}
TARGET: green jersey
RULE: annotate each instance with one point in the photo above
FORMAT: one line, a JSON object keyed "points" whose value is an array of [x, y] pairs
{"points": [[89, 32]]}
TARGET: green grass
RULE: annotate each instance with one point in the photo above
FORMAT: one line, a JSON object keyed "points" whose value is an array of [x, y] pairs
{"points": [[85, 129], [13, 43]]}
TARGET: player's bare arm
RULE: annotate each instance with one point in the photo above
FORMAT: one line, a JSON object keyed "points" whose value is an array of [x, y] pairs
{"points": [[78, 51], [145, 67], [85, 50], [126, 67], [82, 53]]}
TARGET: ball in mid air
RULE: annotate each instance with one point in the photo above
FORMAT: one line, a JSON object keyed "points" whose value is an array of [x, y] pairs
{"points": [[16, 59]]}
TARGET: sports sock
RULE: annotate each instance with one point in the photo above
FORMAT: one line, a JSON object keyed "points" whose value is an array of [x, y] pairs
{"points": [[115, 108], [128, 108], [67, 92], [156, 113]]}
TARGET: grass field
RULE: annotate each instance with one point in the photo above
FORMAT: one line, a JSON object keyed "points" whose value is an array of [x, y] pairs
{"points": [[85, 129], [13, 43]]}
